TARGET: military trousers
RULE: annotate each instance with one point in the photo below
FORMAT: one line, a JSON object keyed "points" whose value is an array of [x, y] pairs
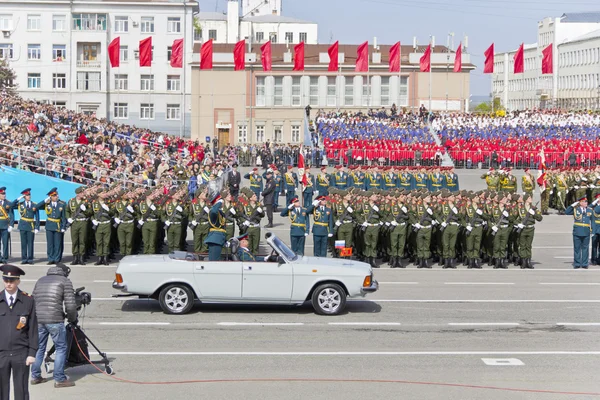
{"points": [[79, 237], [253, 239], [174, 237], [525, 242], [423, 243], [581, 250], [545, 200], [501, 242], [307, 198], [5, 238], [397, 241], [345, 233], [371, 238], [27, 240], [320, 246], [200, 234], [449, 236], [54, 244], [474, 242], [149, 236], [125, 235], [596, 248], [298, 243], [103, 235], [13, 363]]}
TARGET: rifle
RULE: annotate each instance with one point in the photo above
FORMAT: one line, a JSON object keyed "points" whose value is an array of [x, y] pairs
{"points": [[472, 221], [526, 219], [500, 220], [364, 228], [121, 215], [448, 219], [97, 217], [424, 217], [342, 218]]}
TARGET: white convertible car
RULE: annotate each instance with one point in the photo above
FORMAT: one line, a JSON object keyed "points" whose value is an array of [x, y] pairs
{"points": [[178, 279]]}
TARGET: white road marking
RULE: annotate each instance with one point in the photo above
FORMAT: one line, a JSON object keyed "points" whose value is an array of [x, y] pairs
{"points": [[478, 283], [571, 283], [502, 362], [552, 247], [260, 323], [364, 323], [399, 283], [353, 353], [103, 281], [578, 323], [483, 324], [564, 257], [134, 323]]}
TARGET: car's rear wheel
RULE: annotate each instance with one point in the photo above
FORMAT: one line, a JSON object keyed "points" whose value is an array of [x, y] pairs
{"points": [[176, 299], [329, 299]]}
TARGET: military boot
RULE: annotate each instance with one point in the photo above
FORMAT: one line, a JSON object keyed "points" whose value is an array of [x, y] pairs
{"points": [[75, 260], [529, 266], [476, 264], [100, 261]]}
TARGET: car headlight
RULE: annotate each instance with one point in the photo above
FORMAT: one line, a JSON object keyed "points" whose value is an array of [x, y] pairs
{"points": [[367, 281]]}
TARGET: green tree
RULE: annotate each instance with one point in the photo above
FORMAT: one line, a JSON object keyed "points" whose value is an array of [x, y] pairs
{"points": [[7, 78]]}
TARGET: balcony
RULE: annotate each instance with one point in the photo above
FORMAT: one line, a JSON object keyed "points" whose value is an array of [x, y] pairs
{"points": [[89, 64], [89, 22]]}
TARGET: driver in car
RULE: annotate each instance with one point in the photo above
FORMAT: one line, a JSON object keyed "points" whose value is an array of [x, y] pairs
{"points": [[245, 255]]}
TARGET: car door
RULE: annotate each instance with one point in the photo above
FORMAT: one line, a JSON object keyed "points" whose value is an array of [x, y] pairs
{"points": [[219, 279], [267, 281]]}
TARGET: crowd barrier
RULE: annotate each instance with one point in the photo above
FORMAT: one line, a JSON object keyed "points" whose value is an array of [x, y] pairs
{"points": [[522, 159]]}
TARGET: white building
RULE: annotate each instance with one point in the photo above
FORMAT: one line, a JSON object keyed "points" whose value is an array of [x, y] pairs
{"points": [[58, 50], [575, 81], [260, 21]]}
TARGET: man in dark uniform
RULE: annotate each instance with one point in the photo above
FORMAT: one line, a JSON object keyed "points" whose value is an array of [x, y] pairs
{"points": [[322, 225], [269, 197], [217, 233], [18, 334], [233, 180], [244, 253], [7, 219], [56, 221], [29, 224], [300, 225]]}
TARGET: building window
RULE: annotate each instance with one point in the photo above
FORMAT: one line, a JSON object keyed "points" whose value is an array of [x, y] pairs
{"points": [[260, 133], [124, 53], [122, 24], [349, 91], [242, 133], [89, 22], [303, 36], [289, 37], [34, 81], [296, 91], [59, 103], [147, 25], [260, 37], [273, 37], [212, 34], [313, 95], [59, 52], [34, 22], [59, 81], [366, 93], [260, 91], [278, 91], [385, 90], [147, 82], [146, 111], [6, 22], [34, 52], [173, 111], [278, 134], [88, 81], [121, 111], [121, 82], [331, 91], [6, 51], [173, 83], [169, 53], [59, 23], [295, 133], [173, 25]]}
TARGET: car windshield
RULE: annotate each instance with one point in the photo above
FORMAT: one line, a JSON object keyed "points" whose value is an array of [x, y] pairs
{"points": [[286, 251]]}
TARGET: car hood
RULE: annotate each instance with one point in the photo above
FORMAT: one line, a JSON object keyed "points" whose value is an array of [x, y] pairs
{"points": [[335, 262]]}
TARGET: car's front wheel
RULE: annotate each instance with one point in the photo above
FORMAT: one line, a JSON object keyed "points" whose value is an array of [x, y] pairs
{"points": [[176, 299], [329, 299]]}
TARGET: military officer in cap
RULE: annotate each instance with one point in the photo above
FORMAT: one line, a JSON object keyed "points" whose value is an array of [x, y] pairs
{"points": [[56, 221], [7, 219], [290, 183], [18, 334], [582, 227], [300, 225], [29, 224], [256, 181], [322, 225], [78, 213], [244, 253], [101, 220], [217, 233], [322, 183]]}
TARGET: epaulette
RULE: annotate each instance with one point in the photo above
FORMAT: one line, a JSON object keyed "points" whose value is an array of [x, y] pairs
{"points": [[25, 293]]}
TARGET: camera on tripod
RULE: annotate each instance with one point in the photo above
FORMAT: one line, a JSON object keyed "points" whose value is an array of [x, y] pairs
{"points": [[82, 298]]}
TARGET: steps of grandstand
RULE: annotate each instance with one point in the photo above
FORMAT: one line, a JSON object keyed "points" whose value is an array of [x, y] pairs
{"points": [[446, 159]]}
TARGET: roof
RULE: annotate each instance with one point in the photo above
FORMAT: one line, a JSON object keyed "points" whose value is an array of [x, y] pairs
{"points": [[589, 17], [275, 19], [211, 16], [590, 35]]}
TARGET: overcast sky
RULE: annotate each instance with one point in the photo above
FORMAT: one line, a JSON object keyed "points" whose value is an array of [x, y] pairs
{"points": [[506, 23]]}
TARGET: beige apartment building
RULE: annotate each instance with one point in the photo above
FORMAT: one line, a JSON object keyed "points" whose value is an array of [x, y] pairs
{"points": [[253, 106]]}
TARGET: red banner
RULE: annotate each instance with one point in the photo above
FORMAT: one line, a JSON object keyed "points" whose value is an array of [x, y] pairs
{"points": [[333, 57], [458, 59], [146, 52], [488, 67], [177, 53], [206, 55], [299, 57], [395, 58], [114, 52], [425, 61], [519, 60], [362, 58], [265, 54], [547, 61]]}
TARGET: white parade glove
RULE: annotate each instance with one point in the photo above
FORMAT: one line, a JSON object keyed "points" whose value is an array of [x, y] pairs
{"points": [[47, 199], [583, 178], [495, 228], [444, 224], [20, 197], [152, 207], [290, 206], [232, 211], [95, 222], [130, 209], [593, 186], [117, 220], [141, 222], [375, 208], [469, 228], [83, 207], [206, 210], [338, 223], [62, 231], [330, 235], [167, 223], [575, 204], [70, 220], [454, 210], [505, 213], [479, 212], [350, 209], [552, 191], [194, 223], [434, 222], [489, 172], [418, 225], [259, 210], [365, 224], [36, 231], [559, 194], [178, 208], [521, 226], [246, 223], [316, 193], [105, 207], [387, 224], [531, 211], [394, 223], [404, 209], [595, 202], [285, 191], [315, 203], [576, 187], [10, 228], [484, 223], [429, 211], [306, 234], [380, 223]]}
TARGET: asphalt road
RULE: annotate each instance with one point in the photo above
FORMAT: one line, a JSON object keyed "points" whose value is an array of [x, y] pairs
{"points": [[427, 334]]}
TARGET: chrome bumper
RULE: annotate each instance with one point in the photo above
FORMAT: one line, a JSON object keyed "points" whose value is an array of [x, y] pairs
{"points": [[370, 289]]}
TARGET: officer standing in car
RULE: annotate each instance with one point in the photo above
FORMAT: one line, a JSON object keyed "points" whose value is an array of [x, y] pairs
{"points": [[18, 334]]}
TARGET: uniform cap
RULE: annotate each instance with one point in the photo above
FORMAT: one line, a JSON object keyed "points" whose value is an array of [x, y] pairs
{"points": [[582, 198], [77, 191], [243, 237], [290, 167], [321, 198], [52, 192], [11, 271], [3, 190], [295, 199], [26, 192]]}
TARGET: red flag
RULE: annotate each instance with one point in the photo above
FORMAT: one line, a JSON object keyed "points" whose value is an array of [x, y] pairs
{"points": [[206, 55], [395, 58], [458, 59], [488, 66], [146, 52], [547, 62], [519, 60], [362, 58], [301, 166], [265, 54], [239, 55], [177, 53], [333, 57], [114, 52], [425, 62], [299, 57]]}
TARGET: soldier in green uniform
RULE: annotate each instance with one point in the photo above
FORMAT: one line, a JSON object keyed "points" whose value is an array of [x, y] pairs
{"points": [[449, 225], [78, 215], [56, 222], [124, 220], [29, 225], [344, 219], [501, 222], [251, 214], [173, 216], [300, 225], [491, 179], [230, 212], [528, 183], [148, 219], [399, 219], [199, 211], [322, 225], [422, 223], [508, 183], [101, 219], [474, 230], [526, 217]]}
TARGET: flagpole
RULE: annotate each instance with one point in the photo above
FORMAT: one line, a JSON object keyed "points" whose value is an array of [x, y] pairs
{"points": [[430, 70]]}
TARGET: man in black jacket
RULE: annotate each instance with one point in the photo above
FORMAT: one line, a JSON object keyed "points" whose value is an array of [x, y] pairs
{"points": [[233, 180], [269, 197], [50, 293]]}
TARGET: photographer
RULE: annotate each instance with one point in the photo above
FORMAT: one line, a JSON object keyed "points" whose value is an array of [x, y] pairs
{"points": [[50, 293]]}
